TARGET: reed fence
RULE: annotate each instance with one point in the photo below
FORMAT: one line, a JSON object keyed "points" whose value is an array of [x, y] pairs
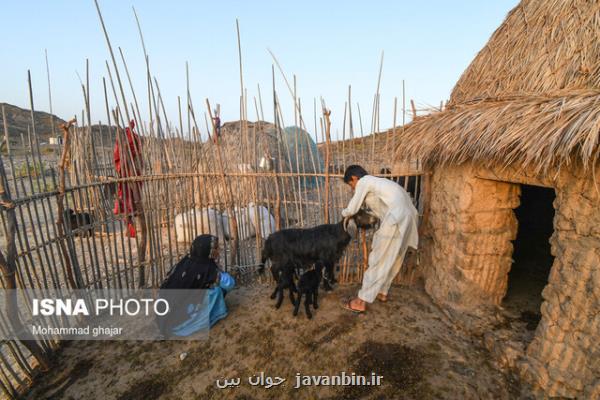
{"points": [[172, 173], [50, 255]]}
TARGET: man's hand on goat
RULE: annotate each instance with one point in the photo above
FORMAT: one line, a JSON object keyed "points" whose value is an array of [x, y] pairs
{"points": [[345, 224]]}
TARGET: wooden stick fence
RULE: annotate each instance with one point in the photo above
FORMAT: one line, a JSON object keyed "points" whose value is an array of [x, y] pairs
{"points": [[50, 255], [175, 180]]}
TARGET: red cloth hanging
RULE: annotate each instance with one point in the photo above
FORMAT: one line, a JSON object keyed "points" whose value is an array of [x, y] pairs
{"points": [[128, 164]]}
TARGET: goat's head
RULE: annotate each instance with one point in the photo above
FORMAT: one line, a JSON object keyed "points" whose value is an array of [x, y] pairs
{"points": [[362, 219], [365, 219]]}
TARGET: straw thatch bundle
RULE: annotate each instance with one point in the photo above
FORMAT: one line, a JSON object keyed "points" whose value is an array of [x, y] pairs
{"points": [[542, 46], [530, 97], [242, 146], [534, 131]]}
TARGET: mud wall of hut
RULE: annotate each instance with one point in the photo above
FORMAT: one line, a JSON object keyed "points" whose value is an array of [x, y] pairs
{"points": [[564, 356], [467, 248], [469, 230]]}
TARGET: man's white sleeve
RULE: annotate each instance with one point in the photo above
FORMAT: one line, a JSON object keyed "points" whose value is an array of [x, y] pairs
{"points": [[360, 192]]}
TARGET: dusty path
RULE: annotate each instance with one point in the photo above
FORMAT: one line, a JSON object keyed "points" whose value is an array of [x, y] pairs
{"points": [[407, 340]]}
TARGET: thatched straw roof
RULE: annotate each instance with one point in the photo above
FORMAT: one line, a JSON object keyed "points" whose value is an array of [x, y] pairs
{"points": [[543, 46], [534, 131], [530, 97]]}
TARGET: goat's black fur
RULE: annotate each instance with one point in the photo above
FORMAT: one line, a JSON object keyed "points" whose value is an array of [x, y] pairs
{"points": [[321, 245], [284, 276], [79, 220], [308, 285]]}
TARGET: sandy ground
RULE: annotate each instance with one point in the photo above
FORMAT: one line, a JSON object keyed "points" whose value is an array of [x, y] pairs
{"points": [[407, 340]]}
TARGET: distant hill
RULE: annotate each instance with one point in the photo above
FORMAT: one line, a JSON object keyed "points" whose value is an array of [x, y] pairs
{"points": [[19, 119]]}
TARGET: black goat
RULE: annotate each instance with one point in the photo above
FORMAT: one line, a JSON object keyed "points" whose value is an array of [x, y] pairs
{"points": [[79, 220], [321, 245], [308, 285]]}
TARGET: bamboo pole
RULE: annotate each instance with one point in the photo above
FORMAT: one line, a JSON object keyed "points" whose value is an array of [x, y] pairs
{"points": [[49, 94], [365, 250], [326, 115], [118, 120], [228, 194], [393, 150], [262, 114], [62, 165], [6, 136], [115, 249], [279, 159], [360, 120], [142, 243], [297, 154]]}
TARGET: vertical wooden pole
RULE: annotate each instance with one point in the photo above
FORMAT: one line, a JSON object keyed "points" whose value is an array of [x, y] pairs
{"points": [[7, 138], [327, 114], [62, 167], [228, 193]]}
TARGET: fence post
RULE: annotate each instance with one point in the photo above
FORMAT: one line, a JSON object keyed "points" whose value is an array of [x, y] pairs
{"points": [[327, 113], [8, 268], [60, 202]]}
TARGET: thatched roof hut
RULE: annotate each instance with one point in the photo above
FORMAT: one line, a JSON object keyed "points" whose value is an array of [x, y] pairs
{"points": [[514, 192], [530, 96]]}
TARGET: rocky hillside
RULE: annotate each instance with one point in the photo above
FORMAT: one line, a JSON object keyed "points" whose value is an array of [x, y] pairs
{"points": [[18, 119]]}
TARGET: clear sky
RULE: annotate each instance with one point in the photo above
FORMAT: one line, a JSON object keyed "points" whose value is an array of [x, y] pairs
{"points": [[326, 44]]}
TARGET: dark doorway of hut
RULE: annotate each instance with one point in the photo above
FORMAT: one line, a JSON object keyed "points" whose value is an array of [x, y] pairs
{"points": [[532, 258]]}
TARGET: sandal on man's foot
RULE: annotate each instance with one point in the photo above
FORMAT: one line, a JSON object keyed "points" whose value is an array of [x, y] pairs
{"points": [[382, 298], [347, 305]]}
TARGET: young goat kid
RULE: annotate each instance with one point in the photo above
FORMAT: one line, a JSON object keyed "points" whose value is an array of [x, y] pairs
{"points": [[321, 245], [308, 286]]}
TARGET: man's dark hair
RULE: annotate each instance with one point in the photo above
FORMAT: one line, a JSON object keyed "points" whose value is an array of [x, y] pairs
{"points": [[354, 170]]}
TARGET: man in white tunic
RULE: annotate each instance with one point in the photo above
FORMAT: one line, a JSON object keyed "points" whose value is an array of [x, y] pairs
{"points": [[398, 231]]}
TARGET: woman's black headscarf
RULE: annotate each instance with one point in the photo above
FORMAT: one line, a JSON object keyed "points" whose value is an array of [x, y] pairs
{"points": [[197, 270]]}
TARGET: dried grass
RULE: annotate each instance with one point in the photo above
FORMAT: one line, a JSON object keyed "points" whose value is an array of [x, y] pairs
{"points": [[533, 131], [542, 47]]}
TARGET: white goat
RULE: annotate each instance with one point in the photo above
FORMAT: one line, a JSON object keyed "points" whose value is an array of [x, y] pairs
{"points": [[208, 220], [194, 222], [250, 218]]}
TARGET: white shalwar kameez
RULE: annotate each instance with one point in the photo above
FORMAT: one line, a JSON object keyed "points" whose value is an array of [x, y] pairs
{"points": [[398, 230]]}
